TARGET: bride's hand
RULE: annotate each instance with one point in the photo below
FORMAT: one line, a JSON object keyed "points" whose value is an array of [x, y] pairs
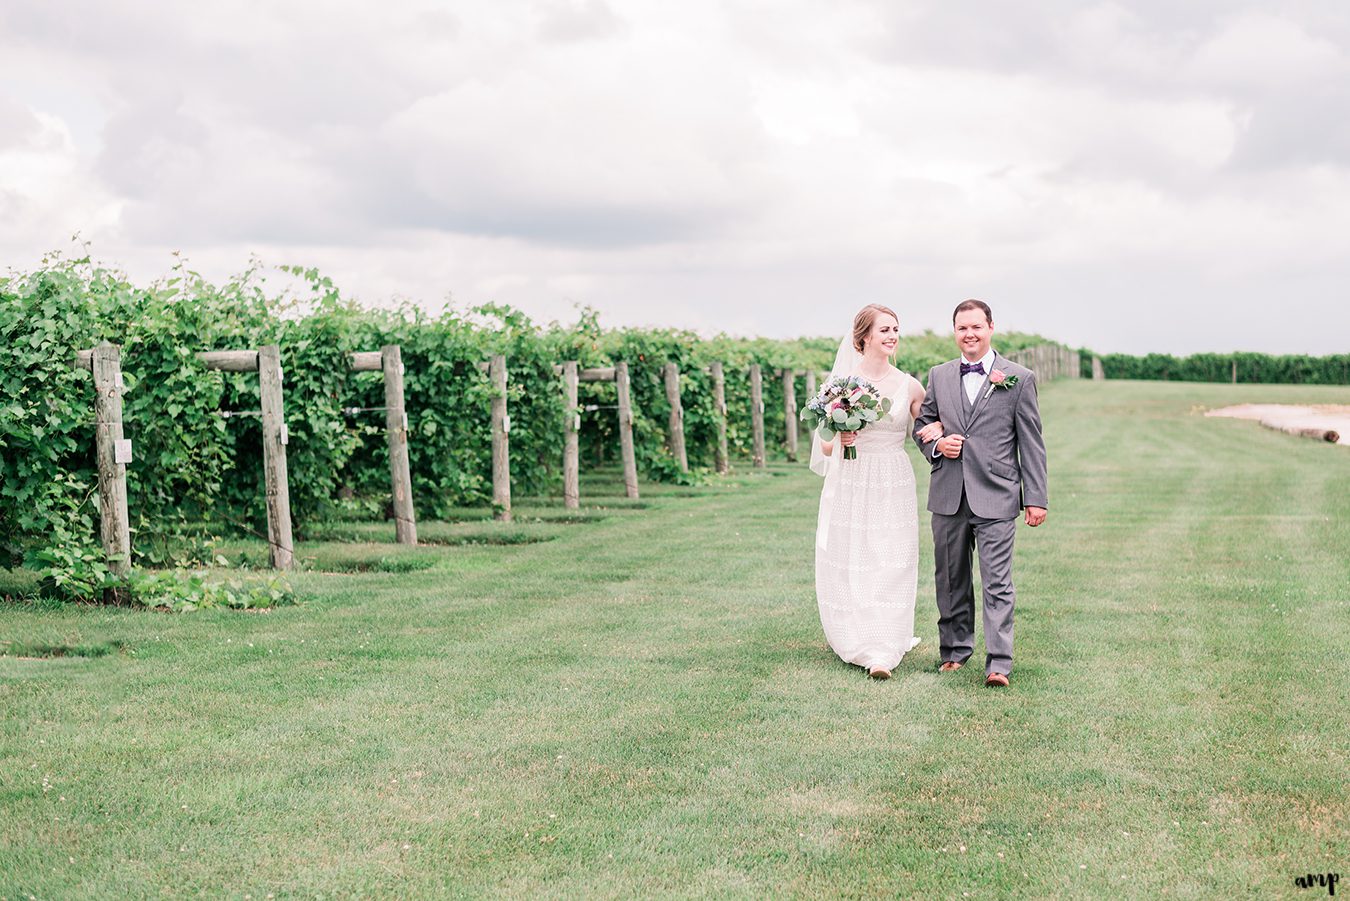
{"points": [[931, 432], [847, 438]]}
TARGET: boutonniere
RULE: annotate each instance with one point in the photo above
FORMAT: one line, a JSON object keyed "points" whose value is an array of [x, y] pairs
{"points": [[1000, 380]]}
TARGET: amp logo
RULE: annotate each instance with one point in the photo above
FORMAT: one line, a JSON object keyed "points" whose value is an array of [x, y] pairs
{"points": [[1319, 880]]}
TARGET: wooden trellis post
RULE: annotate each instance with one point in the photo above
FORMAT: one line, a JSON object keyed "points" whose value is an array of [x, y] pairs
{"points": [[389, 361], [1098, 371], [630, 482], [810, 384], [757, 415], [113, 454], [719, 390], [501, 442], [501, 445], [790, 413], [671, 373], [266, 361], [571, 436], [618, 374], [1050, 361]]}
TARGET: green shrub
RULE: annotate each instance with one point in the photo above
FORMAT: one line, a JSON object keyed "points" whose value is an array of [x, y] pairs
{"points": [[192, 466], [1252, 368]]}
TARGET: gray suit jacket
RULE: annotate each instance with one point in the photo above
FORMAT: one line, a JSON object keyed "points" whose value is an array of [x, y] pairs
{"points": [[1002, 467]]}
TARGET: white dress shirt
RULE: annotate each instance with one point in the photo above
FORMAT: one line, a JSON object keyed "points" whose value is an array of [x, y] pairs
{"points": [[972, 381]]}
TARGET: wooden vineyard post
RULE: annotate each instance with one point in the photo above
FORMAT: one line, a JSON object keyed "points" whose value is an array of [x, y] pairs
{"points": [[618, 374], [501, 450], [266, 361], [757, 415], [1098, 371], [719, 390], [810, 384], [630, 482], [571, 438], [396, 431], [389, 362], [672, 377], [113, 454], [790, 413], [275, 437]]}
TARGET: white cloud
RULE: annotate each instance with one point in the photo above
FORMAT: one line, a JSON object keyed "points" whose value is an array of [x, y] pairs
{"points": [[761, 167], [45, 187], [1259, 51]]}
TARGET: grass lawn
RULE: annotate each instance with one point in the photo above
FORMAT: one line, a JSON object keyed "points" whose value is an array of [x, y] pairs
{"points": [[638, 701]]}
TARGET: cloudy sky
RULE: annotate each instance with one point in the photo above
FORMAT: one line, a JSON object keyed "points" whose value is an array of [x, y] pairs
{"points": [[1126, 176]]}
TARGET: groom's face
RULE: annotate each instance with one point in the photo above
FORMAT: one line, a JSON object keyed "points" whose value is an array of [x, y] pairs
{"points": [[973, 334]]}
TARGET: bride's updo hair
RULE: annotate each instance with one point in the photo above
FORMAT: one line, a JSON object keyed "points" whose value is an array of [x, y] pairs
{"points": [[862, 323]]}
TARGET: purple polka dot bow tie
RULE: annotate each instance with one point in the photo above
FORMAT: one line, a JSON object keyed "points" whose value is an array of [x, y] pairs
{"points": [[967, 368]]}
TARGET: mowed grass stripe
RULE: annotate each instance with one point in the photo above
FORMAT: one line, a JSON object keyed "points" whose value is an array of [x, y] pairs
{"points": [[644, 704]]}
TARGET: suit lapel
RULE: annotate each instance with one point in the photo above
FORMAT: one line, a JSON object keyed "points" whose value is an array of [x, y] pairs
{"points": [[950, 385], [982, 398]]}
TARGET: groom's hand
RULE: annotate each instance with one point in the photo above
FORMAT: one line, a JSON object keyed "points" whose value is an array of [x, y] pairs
{"points": [[1035, 516], [950, 446]]}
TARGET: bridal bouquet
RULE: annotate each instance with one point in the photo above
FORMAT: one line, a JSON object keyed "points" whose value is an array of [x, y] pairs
{"points": [[845, 405]]}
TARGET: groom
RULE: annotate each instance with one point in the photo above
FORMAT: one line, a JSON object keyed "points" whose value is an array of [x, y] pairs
{"points": [[988, 467]]}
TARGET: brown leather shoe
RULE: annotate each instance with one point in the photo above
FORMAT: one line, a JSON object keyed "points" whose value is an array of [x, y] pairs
{"points": [[950, 666], [880, 673], [996, 680]]}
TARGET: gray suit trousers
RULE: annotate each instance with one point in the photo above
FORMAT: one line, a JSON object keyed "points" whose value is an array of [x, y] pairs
{"points": [[955, 537]]}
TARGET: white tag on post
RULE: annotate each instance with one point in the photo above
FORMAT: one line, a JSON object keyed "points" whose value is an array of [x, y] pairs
{"points": [[117, 381], [576, 425], [122, 451], [285, 435], [405, 422], [506, 425]]}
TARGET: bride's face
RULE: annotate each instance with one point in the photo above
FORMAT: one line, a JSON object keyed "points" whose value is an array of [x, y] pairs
{"points": [[883, 337]]}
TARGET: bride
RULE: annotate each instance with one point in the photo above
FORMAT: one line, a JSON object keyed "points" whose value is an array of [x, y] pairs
{"points": [[867, 533]]}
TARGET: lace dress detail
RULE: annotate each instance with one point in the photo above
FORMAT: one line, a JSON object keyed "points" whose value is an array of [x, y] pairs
{"points": [[867, 548]]}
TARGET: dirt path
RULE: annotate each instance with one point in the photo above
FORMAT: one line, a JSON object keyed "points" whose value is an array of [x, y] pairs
{"points": [[1325, 422]]}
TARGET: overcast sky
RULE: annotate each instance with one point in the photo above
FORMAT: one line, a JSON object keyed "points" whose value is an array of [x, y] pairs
{"points": [[1149, 176]]}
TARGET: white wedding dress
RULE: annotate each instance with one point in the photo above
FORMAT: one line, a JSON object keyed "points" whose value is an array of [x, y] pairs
{"points": [[867, 541]]}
